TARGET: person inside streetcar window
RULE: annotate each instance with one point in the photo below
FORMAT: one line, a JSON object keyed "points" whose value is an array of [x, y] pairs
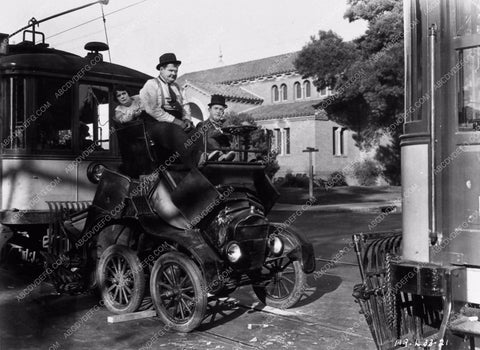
{"points": [[130, 107], [85, 137], [213, 128]]}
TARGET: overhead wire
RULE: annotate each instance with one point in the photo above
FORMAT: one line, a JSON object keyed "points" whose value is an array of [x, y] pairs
{"points": [[94, 19], [106, 35], [113, 12]]}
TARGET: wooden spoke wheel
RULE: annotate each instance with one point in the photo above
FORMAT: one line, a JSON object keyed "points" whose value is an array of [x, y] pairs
{"points": [[120, 279], [178, 292], [286, 284]]}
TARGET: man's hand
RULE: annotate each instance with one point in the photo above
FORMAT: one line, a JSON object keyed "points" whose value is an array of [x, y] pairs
{"points": [[188, 125], [180, 123]]}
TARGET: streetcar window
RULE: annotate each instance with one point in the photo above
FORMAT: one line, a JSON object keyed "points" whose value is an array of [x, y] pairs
{"points": [[94, 117], [15, 112], [469, 113], [468, 17], [53, 109]]}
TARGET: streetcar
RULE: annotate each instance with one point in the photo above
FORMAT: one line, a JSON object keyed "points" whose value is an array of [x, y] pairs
{"points": [[420, 286], [102, 207], [55, 111]]}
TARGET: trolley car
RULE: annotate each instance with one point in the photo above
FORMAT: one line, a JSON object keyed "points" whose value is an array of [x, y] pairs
{"points": [[55, 110], [187, 233], [421, 286]]}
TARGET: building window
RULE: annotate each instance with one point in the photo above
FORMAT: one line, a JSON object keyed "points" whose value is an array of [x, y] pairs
{"points": [[297, 90], [339, 140], [275, 95], [281, 141], [284, 92], [306, 86], [323, 92], [277, 141], [286, 139]]}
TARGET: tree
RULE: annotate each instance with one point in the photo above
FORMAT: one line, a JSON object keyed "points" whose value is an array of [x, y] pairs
{"points": [[366, 75]]}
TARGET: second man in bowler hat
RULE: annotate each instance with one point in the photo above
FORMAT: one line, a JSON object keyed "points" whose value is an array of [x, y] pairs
{"points": [[215, 137]]}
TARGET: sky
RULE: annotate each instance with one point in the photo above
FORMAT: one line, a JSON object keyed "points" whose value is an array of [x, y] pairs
{"points": [[139, 31]]}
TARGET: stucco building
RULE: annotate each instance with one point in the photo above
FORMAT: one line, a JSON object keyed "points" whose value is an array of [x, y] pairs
{"points": [[280, 99]]}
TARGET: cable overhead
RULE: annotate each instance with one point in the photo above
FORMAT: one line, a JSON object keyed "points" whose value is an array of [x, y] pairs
{"points": [[34, 22], [106, 35], [63, 31], [94, 19]]}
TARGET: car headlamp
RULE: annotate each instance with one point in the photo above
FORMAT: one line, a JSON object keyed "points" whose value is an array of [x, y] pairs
{"points": [[94, 172], [275, 244], [233, 252]]}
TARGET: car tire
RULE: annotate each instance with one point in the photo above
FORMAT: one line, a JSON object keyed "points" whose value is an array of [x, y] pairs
{"points": [[286, 287], [121, 280], [178, 292]]}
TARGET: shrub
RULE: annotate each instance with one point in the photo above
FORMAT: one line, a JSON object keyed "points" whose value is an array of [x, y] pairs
{"points": [[337, 178], [298, 180], [367, 172]]}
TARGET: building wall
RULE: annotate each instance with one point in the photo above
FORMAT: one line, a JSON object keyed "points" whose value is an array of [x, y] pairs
{"points": [[310, 132], [326, 161], [263, 88], [302, 135]]}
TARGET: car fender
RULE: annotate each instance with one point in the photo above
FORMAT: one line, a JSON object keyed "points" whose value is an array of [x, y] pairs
{"points": [[296, 245], [190, 240]]}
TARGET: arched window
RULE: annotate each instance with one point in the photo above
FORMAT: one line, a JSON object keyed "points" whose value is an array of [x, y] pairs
{"points": [[297, 90], [195, 111], [283, 92], [306, 86], [275, 95]]}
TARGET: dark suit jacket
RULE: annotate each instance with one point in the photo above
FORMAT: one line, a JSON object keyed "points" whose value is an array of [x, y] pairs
{"points": [[215, 138]]}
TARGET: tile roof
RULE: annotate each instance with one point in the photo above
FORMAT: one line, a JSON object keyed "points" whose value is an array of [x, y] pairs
{"points": [[291, 109], [228, 91], [245, 70]]}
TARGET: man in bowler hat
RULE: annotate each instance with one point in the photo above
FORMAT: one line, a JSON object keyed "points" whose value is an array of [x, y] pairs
{"points": [[169, 117], [213, 128]]}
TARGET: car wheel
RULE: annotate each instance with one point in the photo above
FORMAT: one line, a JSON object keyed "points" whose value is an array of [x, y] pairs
{"points": [[286, 285], [121, 280], [178, 292]]}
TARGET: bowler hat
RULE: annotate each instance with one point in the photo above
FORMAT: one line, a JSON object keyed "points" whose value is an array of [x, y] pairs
{"points": [[217, 100], [167, 58]]}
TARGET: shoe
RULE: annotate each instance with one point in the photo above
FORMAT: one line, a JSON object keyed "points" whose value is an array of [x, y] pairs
{"points": [[227, 157], [213, 156]]}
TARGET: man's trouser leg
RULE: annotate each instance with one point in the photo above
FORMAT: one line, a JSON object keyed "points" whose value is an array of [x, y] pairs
{"points": [[172, 138]]}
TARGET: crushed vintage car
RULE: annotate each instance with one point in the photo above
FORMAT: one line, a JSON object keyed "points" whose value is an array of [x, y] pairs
{"points": [[182, 235]]}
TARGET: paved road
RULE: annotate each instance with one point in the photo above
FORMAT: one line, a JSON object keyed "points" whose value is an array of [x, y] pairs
{"points": [[327, 318]]}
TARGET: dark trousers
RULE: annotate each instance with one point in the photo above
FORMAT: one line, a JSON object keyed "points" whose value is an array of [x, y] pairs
{"points": [[170, 138]]}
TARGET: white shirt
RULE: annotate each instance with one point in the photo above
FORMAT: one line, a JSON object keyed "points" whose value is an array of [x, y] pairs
{"points": [[153, 98]]}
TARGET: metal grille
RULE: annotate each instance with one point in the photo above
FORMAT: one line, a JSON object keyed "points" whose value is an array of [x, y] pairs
{"points": [[60, 211]]}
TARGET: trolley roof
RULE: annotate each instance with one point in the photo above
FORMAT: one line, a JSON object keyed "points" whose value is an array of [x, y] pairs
{"points": [[26, 57]]}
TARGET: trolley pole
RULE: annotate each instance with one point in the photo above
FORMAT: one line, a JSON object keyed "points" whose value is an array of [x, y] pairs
{"points": [[310, 150]]}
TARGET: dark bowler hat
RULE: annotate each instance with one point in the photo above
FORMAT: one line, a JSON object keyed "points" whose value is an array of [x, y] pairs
{"points": [[217, 100], [167, 58]]}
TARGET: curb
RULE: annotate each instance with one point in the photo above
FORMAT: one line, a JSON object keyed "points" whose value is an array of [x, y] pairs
{"points": [[367, 207]]}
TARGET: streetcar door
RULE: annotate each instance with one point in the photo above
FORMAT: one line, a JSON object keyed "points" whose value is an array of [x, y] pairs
{"points": [[459, 106]]}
